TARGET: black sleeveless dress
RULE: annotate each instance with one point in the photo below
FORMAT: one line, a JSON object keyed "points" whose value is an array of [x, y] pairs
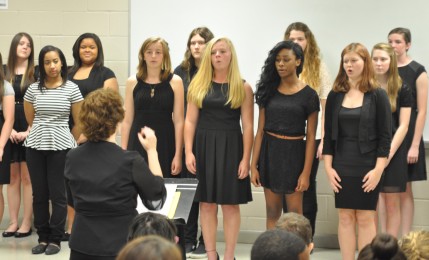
{"points": [[157, 113], [20, 123], [218, 149]]}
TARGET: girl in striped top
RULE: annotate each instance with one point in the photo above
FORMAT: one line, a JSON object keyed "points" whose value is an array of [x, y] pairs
{"points": [[47, 106]]}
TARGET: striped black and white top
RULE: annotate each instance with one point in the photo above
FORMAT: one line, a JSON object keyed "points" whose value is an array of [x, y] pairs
{"points": [[50, 129]]}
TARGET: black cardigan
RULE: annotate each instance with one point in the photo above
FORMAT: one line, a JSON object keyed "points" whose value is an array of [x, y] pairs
{"points": [[375, 125]]}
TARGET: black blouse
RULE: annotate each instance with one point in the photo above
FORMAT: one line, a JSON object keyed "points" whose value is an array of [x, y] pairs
{"points": [[287, 114], [102, 183]]}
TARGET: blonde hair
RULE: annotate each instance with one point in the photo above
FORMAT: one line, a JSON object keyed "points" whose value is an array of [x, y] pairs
{"points": [[311, 69], [202, 82], [166, 61], [394, 81], [415, 245]]}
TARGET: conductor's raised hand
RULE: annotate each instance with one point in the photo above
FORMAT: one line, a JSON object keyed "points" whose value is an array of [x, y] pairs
{"points": [[147, 138]]}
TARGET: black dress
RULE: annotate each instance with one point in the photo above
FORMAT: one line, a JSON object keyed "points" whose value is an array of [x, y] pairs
{"points": [[352, 165], [409, 74], [281, 161], [396, 173], [20, 124], [157, 113], [218, 150]]}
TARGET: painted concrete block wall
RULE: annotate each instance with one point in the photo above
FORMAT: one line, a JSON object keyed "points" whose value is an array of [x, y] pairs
{"points": [[60, 22]]}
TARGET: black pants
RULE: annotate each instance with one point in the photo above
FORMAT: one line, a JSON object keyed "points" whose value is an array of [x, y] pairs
{"points": [[309, 202], [47, 179], [191, 227]]}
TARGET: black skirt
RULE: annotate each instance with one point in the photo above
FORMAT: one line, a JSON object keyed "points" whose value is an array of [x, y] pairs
{"points": [[5, 163], [281, 163]]}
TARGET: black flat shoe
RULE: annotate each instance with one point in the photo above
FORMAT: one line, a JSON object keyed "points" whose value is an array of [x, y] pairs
{"points": [[9, 233], [21, 235], [39, 249], [52, 249], [66, 236]]}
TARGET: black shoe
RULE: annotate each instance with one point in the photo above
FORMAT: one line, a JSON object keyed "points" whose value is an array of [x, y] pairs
{"points": [[39, 249], [189, 248], [9, 233], [52, 249], [26, 234], [199, 252], [66, 236]]}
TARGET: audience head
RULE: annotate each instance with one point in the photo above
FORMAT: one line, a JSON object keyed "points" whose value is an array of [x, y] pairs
{"points": [[154, 49], [150, 247], [356, 57], [49, 57], [279, 244], [150, 223], [270, 77], [21, 48], [415, 245], [297, 224], [88, 50], [383, 246], [195, 46], [100, 114]]}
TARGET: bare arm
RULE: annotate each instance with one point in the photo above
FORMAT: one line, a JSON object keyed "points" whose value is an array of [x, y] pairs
{"points": [[8, 105], [178, 121], [401, 132], [247, 125], [310, 146], [322, 127], [191, 121], [29, 113], [129, 111], [148, 139], [75, 109], [112, 84], [422, 97], [257, 148]]}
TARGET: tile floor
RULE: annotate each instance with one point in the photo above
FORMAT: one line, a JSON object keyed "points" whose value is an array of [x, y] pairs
{"points": [[20, 249]]}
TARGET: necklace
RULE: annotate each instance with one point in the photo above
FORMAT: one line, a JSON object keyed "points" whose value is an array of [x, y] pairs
{"points": [[152, 89]]}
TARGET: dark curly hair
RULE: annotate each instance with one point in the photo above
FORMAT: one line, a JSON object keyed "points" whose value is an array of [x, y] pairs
{"points": [[270, 79], [100, 114]]}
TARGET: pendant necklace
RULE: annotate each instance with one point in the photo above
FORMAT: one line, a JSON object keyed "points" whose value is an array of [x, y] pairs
{"points": [[152, 90]]}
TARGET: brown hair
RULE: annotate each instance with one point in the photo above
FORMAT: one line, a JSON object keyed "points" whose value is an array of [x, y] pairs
{"points": [[297, 224], [367, 82], [188, 62], [166, 61], [100, 114], [151, 247], [311, 69], [12, 61], [405, 32]]}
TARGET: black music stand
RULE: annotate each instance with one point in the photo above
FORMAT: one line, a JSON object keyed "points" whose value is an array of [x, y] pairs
{"points": [[186, 187]]}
